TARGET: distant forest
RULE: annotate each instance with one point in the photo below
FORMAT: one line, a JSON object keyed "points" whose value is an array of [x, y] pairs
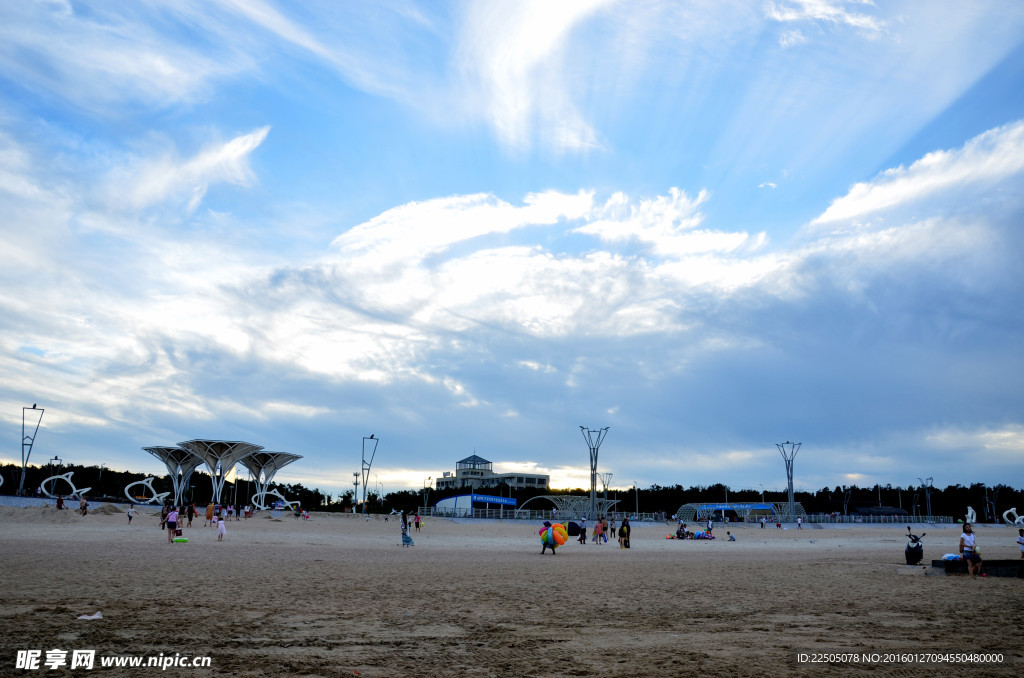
{"points": [[989, 502]]}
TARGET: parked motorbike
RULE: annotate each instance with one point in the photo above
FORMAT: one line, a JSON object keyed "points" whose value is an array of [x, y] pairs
{"points": [[915, 547]]}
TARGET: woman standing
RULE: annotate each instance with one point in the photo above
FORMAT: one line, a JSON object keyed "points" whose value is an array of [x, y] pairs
{"points": [[969, 551]]}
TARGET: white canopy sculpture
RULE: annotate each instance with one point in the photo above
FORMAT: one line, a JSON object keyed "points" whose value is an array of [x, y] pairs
{"points": [[154, 499], [264, 465], [180, 464], [1016, 520], [220, 456]]}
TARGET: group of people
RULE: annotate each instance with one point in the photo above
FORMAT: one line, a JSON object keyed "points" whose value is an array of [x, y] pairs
{"points": [[602, 528], [173, 517]]}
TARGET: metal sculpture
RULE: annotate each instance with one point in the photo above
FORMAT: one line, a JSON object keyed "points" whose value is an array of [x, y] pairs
{"points": [[157, 498], [257, 498], [66, 477], [220, 456], [264, 465], [180, 463]]}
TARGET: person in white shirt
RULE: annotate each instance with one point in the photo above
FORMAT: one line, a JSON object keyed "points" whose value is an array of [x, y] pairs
{"points": [[969, 550]]}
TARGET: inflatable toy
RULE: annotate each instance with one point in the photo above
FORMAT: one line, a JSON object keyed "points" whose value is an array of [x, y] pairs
{"points": [[181, 540]]}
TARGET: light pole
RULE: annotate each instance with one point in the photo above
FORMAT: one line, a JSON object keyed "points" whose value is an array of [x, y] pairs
{"points": [[926, 484], [366, 468], [355, 494], [788, 455], [426, 490], [636, 495], [762, 492], [594, 438], [27, 441]]}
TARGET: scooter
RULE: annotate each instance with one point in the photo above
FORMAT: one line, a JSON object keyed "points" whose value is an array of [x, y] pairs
{"points": [[915, 547]]}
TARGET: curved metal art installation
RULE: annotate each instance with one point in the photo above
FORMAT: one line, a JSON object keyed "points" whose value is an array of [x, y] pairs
{"points": [[157, 498], [180, 463], [570, 506], [971, 516], [1017, 520], [220, 456], [66, 477], [264, 465], [289, 505]]}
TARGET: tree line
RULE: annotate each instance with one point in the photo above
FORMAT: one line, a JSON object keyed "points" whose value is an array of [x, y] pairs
{"points": [[989, 502]]}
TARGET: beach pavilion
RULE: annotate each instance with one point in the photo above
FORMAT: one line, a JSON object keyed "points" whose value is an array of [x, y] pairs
{"points": [[575, 507], [743, 511], [180, 463], [264, 465], [220, 456]]}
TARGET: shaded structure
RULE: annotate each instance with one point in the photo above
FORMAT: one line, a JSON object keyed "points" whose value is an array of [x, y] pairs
{"points": [[180, 463], [744, 511], [570, 506], [594, 438], [220, 456], [263, 465]]}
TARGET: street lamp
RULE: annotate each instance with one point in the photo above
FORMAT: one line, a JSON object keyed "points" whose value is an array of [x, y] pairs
{"points": [[426, 490], [762, 492], [636, 494], [366, 468], [355, 494], [27, 441]]}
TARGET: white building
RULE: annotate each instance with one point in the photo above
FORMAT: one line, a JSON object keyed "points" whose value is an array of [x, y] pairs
{"points": [[475, 472]]}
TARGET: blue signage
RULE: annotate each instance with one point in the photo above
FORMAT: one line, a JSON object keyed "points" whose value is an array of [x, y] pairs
{"points": [[485, 499]]}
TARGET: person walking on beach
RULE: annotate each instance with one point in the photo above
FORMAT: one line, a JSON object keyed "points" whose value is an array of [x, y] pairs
{"points": [[604, 529], [583, 533], [406, 539], [222, 529], [799, 523], [762, 522], [598, 530], [60, 502], [131, 513], [416, 519], [172, 524], [83, 506], [969, 550], [209, 515], [190, 513]]}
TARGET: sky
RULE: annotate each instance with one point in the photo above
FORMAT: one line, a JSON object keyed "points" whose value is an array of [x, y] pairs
{"points": [[474, 227]]}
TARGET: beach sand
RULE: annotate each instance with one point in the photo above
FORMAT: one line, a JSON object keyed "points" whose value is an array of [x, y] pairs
{"points": [[337, 596]]}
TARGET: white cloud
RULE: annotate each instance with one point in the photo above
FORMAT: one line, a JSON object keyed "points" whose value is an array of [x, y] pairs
{"points": [[791, 38], [988, 159], [667, 224], [833, 12], [514, 54], [150, 181]]}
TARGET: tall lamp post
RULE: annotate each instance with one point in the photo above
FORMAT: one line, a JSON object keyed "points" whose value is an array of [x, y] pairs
{"points": [[355, 494], [426, 490], [788, 455], [27, 441], [594, 438], [366, 468], [636, 495]]}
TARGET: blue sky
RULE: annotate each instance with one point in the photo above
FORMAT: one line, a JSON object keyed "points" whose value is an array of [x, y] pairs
{"points": [[462, 227]]}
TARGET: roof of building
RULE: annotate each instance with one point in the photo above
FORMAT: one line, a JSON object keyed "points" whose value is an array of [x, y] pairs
{"points": [[474, 460]]}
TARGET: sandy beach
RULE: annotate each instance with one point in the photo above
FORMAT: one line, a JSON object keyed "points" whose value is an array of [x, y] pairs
{"points": [[337, 596]]}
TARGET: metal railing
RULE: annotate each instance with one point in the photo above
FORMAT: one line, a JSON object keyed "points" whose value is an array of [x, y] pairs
{"points": [[529, 514]]}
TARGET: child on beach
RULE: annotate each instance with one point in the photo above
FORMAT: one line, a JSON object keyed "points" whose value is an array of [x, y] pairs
{"points": [[131, 513], [222, 529]]}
